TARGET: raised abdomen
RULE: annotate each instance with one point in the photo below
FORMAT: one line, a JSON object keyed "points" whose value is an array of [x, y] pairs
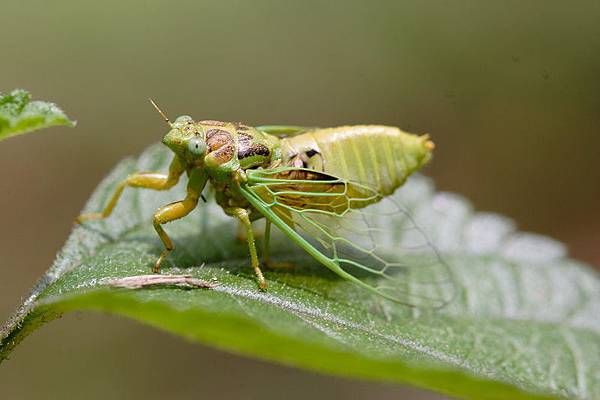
{"points": [[381, 157]]}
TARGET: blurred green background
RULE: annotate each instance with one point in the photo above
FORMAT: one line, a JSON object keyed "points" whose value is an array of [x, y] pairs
{"points": [[509, 91]]}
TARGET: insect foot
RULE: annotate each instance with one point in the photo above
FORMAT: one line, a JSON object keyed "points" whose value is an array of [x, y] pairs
{"points": [[163, 255], [262, 284]]}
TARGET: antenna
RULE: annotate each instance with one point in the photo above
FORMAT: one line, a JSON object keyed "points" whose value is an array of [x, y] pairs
{"points": [[160, 112]]}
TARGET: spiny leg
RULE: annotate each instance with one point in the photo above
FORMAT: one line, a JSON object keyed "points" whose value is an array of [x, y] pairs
{"points": [[242, 215], [147, 180]]}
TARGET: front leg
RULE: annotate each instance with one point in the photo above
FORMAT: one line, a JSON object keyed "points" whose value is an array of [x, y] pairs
{"points": [[168, 213], [147, 180], [176, 210]]}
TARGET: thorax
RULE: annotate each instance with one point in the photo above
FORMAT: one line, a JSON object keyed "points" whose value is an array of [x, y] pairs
{"points": [[233, 147]]}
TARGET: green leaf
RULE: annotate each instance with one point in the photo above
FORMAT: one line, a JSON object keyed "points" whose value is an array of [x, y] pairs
{"points": [[526, 323], [18, 114]]}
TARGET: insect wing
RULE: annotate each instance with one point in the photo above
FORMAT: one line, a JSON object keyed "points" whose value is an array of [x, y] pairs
{"points": [[367, 238]]}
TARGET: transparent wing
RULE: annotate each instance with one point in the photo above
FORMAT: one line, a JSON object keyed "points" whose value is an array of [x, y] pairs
{"points": [[359, 234]]}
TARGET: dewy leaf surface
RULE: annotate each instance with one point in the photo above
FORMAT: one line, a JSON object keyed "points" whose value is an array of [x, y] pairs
{"points": [[18, 114], [525, 324]]}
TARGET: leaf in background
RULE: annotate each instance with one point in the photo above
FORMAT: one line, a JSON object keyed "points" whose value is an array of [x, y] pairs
{"points": [[18, 114], [526, 323]]}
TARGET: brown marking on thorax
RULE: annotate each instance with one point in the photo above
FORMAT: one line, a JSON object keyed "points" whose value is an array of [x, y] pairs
{"points": [[249, 149], [244, 137], [224, 154], [216, 138], [249, 146], [220, 144]]}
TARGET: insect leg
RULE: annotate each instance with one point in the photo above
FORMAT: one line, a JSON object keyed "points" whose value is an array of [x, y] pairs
{"points": [[166, 214], [147, 180], [241, 233], [177, 210], [242, 215]]}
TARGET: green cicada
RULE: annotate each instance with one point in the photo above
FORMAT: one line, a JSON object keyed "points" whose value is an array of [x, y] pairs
{"points": [[326, 189]]}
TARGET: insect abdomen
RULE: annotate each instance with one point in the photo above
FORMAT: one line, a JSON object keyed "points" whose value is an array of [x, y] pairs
{"points": [[379, 156]]}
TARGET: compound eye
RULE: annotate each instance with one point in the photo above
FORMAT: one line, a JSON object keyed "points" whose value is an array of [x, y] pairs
{"points": [[197, 146]]}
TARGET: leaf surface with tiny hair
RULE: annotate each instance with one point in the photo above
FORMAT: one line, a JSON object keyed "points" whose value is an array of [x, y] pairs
{"points": [[525, 325]]}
